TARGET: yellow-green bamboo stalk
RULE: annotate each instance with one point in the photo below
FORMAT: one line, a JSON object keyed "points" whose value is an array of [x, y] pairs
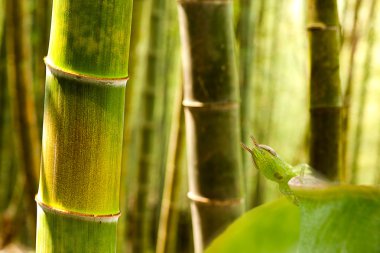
{"points": [[87, 71], [346, 112], [211, 96], [363, 93], [167, 233], [325, 90]]}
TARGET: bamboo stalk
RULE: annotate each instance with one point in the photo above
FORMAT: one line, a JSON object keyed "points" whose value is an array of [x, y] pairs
{"points": [[245, 37], [19, 55], [138, 59], [211, 97], [346, 113], [357, 142], [151, 113], [87, 70], [325, 90], [256, 194], [167, 233], [21, 103]]}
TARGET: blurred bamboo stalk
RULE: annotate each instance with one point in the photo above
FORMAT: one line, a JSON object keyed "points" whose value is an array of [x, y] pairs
{"points": [[25, 138], [256, 194], [325, 90], [245, 37], [137, 69], [211, 95], [20, 80], [368, 61], [168, 226], [346, 112], [151, 112]]}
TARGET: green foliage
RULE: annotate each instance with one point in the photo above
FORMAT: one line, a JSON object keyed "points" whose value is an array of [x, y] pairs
{"points": [[269, 228], [330, 218]]}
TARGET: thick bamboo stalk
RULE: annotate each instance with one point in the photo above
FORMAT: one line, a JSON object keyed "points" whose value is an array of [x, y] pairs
{"points": [[325, 90], [87, 70], [211, 96]]}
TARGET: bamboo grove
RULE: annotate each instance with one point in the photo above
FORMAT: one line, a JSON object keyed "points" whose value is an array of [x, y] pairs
{"points": [[121, 121]]}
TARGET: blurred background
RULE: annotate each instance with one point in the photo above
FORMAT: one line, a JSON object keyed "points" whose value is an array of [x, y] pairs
{"points": [[274, 61]]}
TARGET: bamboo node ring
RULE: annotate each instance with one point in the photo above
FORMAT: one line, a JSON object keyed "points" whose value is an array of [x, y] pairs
{"points": [[108, 218], [214, 202], [213, 105], [57, 71]]}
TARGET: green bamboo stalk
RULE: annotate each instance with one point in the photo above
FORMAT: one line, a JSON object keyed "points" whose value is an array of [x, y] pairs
{"points": [[167, 233], [346, 113], [256, 194], [137, 58], [20, 85], [357, 141], [87, 70], [211, 96], [21, 103], [245, 38], [151, 113], [325, 91]]}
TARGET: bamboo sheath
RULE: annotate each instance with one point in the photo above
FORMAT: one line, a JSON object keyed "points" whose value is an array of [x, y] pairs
{"points": [[87, 70], [212, 117]]}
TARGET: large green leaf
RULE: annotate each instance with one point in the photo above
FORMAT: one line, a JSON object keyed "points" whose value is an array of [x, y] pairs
{"points": [[273, 227], [338, 218], [330, 218]]}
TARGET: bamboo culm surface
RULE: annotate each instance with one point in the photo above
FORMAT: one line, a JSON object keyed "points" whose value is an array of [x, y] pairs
{"points": [[87, 63], [325, 90], [212, 117]]}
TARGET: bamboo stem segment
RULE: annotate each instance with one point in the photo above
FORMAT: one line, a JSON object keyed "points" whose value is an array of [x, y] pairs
{"points": [[212, 117], [86, 75], [325, 90]]}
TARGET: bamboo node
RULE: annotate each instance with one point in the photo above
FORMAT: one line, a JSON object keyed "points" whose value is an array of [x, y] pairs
{"points": [[214, 202], [107, 218], [57, 71], [213, 105], [322, 26]]}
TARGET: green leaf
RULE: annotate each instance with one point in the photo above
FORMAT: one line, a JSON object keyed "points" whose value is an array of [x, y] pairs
{"points": [[330, 218], [273, 227], [338, 218]]}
